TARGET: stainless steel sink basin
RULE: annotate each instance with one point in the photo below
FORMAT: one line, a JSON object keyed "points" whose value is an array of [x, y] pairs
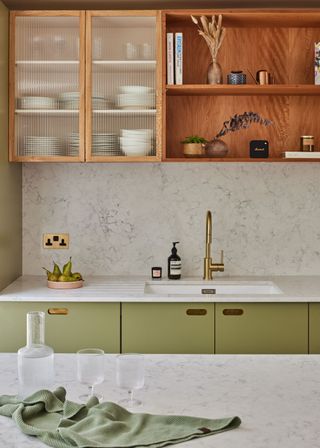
{"points": [[215, 287]]}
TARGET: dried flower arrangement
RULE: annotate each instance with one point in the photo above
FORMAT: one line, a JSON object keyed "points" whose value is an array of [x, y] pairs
{"points": [[217, 147], [213, 33], [242, 121]]}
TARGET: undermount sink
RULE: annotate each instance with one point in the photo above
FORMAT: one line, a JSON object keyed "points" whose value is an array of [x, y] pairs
{"points": [[214, 287]]}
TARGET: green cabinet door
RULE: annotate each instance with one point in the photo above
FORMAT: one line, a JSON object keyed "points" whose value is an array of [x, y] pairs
{"points": [[167, 327], [80, 325], [261, 328], [314, 328]]}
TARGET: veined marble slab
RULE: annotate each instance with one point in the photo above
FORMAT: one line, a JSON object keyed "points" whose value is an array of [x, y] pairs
{"points": [[132, 289], [276, 397]]}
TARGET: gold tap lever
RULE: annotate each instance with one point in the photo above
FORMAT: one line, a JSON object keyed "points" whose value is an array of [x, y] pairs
{"points": [[209, 266]]}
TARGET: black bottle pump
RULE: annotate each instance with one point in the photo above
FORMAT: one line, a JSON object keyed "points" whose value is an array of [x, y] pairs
{"points": [[174, 263]]}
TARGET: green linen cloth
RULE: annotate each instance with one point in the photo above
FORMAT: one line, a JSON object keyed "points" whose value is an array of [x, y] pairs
{"points": [[63, 424]]}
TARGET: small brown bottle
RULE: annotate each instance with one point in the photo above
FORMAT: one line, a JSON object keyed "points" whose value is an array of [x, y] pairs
{"points": [[174, 264]]}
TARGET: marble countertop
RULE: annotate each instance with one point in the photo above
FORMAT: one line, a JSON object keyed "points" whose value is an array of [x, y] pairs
{"points": [[276, 397], [132, 289]]}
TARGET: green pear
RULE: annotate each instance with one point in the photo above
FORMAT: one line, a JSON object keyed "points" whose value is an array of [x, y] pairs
{"points": [[63, 278], [53, 277], [56, 269], [48, 272], [66, 271], [77, 276]]}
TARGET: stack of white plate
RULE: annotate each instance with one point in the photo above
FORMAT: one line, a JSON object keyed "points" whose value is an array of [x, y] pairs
{"points": [[35, 145], [71, 100], [136, 97], [136, 142], [37, 102], [105, 144], [73, 142]]}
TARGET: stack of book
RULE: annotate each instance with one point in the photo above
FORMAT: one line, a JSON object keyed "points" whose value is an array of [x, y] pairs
{"points": [[301, 155], [174, 58]]}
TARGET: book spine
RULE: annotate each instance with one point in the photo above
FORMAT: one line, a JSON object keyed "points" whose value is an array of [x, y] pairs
{"points": [[170, 52], [317, 63], [179, 57]]}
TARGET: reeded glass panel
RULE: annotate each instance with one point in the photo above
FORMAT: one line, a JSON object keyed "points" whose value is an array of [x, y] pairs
{"points": [[47, 86], [123, 86]]}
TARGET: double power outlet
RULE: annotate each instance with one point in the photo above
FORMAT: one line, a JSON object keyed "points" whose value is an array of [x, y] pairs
{"points": [[56, 240]]}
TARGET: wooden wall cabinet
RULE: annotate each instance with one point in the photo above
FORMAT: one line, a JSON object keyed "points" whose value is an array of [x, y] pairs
{"points": [[91, 63]]}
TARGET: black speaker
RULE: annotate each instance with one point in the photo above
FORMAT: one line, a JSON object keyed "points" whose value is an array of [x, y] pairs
{"points": [[259, 149]]}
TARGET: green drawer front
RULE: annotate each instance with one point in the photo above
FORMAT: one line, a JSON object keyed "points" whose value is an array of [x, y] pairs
{"points": [[167, 327], [261, 328], [84, 325], [314, 328]]}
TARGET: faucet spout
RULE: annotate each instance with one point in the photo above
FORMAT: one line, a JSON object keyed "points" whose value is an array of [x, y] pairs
{"points": [[209, 266]]}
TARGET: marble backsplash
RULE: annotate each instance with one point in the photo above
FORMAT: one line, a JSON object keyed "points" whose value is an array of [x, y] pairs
{"points": [[122, 218]]}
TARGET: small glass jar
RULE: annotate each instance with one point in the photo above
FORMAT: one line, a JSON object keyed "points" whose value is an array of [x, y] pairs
{"points": [[307, 143]]}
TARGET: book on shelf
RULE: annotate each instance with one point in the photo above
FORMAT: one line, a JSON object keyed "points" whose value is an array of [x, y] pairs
{"points": [[170, 57], [301, 155], [178, 57]]}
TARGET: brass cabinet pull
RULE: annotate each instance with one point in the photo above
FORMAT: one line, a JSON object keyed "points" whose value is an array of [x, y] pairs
{"points": [[58, 311], [196, 312], [232, 312]]}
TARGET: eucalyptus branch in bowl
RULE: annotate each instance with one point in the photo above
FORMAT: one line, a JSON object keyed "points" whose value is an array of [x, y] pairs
{"points": [[217, 147]]}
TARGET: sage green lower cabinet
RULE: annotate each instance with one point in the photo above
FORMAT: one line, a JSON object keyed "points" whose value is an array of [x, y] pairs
{"points": [[69, 326], [260, 328], [168, 327], [314, 328]]}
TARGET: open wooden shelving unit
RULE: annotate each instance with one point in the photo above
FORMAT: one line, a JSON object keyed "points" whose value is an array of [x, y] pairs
{"points": [[278, 41]]}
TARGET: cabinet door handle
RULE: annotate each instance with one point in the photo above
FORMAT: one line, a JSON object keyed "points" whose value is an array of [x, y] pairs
{"points": [[196, 312], [58, 311], [233, 311]]}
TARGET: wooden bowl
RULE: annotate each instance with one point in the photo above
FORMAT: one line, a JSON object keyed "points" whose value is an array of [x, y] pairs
{"points": [[65, 285]]}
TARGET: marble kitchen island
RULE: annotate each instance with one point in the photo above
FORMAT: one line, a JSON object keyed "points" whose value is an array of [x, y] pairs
{"points": [[276, 397]]}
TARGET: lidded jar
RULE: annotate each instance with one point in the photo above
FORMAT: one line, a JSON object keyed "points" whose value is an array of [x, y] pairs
{"points": [[35, 360]]}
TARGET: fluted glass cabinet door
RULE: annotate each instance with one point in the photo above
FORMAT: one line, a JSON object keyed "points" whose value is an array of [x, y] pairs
{"points": [[47, 71], [123, 92]]}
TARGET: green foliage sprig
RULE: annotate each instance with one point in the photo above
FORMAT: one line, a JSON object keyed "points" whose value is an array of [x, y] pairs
{"points": [[194, 139]]}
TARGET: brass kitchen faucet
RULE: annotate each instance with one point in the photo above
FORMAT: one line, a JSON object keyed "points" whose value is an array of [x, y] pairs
{"points": [[209, 266]]}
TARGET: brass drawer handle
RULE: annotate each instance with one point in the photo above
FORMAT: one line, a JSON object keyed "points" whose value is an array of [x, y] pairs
{"points": [[232, 312], [196, 312], [58, 311]]}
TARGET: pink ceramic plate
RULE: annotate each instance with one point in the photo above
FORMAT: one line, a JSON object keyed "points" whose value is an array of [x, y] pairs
{"points": [[65, 285]]}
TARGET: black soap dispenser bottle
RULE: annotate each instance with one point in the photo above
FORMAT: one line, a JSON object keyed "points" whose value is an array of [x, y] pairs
{"points": [[174, 264]]}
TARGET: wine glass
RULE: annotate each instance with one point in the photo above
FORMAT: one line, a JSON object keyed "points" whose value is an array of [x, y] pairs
{"points": [[130, 376], [90, 370]]}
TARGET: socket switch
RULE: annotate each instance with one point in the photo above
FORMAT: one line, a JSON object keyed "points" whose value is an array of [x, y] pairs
{"points": [[56, 240]]}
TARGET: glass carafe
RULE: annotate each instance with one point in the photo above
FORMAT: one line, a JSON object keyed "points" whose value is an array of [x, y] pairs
{"points": [[35, 360]]}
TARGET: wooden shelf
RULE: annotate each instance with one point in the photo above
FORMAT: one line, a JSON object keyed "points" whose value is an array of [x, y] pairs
{"points": [[245, 89], [57, 112], [124, 65], [125, 111], [235, 159]]}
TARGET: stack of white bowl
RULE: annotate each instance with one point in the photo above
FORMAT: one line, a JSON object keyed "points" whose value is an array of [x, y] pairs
{"points": [[37, 102], [35, 145], [136, 142], [136, 97]]}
